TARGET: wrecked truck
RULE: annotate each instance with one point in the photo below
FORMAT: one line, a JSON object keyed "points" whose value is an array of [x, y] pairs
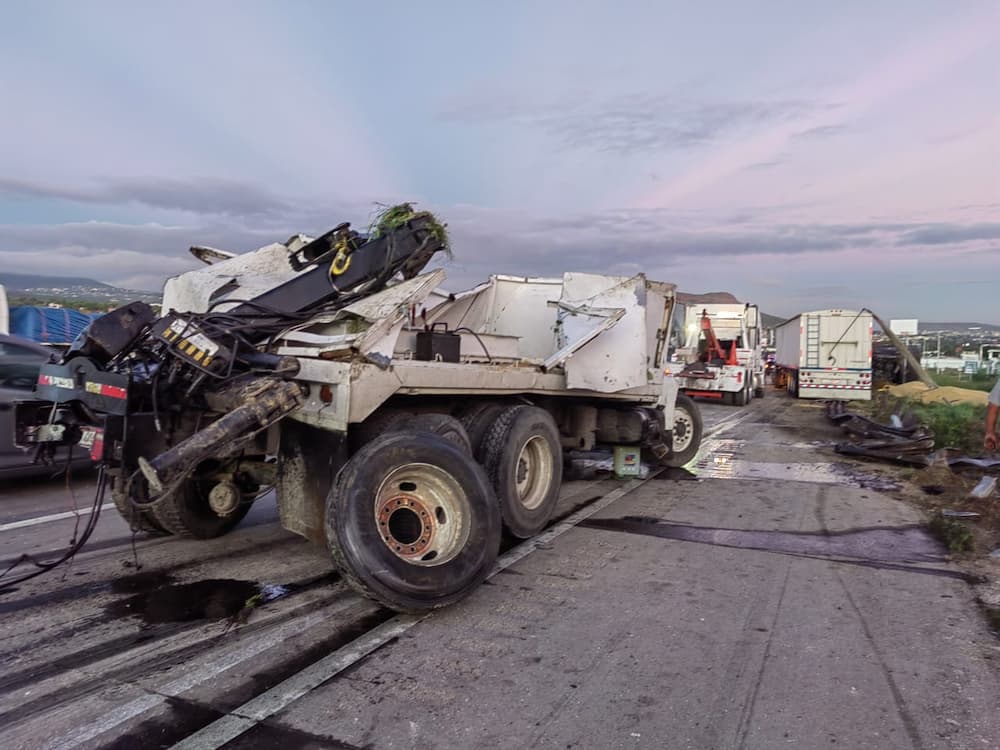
{"points": [[400, 426]]}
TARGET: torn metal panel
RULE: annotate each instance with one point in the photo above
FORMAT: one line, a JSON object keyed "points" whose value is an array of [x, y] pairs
{"points": [[240, 277], [615, 359], [369, 326], [579, 326]]}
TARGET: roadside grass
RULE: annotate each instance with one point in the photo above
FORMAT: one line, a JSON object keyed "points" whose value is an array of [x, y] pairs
{"points": [[953, 534], [958, 429], [978, 382]]}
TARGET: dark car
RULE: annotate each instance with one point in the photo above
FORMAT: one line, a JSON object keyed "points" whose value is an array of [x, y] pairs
{"points": [[20, 361]]}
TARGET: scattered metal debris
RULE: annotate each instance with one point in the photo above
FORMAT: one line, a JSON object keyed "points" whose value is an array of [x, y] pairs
{"points": [[986, 487], [959, 514], [898, 442], [904, 441]]}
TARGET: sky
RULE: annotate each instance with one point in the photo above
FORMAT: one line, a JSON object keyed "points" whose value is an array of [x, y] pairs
{"points": [[799, 155]]}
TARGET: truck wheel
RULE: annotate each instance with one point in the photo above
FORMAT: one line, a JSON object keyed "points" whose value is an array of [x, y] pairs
{"points": [[686, 431], [189, 511], [136, 518], [398, 421], [522, 454], [758, 392], [477, 420], [412, 523], [440, 424]]}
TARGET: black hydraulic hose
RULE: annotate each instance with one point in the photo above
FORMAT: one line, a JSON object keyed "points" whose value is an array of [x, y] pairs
{"points": [[6, 586]]}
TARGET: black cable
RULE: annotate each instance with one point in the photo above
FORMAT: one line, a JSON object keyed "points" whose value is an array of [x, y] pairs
{"points": [[75, 547], [487, 351]]}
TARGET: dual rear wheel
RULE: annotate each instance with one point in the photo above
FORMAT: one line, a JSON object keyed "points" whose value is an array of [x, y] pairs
{"points": [[415, 517]]}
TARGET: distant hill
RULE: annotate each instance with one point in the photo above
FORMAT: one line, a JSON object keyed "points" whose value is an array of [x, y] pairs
{"points": [[708, 298], [19, 281], [724, 298], [31, 289], [923, 327]]}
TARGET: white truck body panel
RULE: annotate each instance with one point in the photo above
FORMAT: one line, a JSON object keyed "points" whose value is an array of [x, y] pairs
{"points": [[584, 335], [829, 352]]}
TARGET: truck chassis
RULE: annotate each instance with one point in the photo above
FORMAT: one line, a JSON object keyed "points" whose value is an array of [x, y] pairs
{"points": [[401, 427]]}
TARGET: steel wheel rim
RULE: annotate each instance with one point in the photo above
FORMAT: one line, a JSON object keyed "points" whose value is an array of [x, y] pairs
{"points": [[534, 470], [683, 430], [422, 514]]}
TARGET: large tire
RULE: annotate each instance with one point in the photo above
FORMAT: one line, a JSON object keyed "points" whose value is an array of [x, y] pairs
{"points": [[477, 420], [743, 397], [187, 512], [412, 523], [686, 432], [138, 520], [522, 454], [400, 421]]}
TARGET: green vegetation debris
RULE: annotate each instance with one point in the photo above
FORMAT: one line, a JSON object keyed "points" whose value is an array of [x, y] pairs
{"points": [[390, 218]]}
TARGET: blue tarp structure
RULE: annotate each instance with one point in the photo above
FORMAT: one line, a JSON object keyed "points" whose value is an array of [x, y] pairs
{"points": [[49, 325]]}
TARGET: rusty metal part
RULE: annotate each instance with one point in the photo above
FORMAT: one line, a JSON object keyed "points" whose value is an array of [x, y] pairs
{"points": [[406, 525], [422, 514], [224, 498]]}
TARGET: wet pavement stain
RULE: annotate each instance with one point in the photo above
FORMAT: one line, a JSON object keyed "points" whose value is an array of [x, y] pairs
{"points": [[211, 599], [725, 465], [879, 546]]}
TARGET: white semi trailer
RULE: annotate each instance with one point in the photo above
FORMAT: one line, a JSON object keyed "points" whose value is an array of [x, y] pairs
{"points": [[826, 354], [402, 427]]}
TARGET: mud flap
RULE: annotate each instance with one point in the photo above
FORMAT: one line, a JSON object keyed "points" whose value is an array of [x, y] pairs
{"points": [[308, 460]]}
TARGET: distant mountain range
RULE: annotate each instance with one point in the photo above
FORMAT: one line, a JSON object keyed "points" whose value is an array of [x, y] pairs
{"points": [[30, 288], [957, 327]]}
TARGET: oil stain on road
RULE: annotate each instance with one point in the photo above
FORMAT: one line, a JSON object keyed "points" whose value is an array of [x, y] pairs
{"points": [[885, 547]]}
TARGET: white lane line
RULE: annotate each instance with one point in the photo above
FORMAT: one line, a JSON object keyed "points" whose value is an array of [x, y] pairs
{"points": [[244, 718], [48, 519], [229, 658]]}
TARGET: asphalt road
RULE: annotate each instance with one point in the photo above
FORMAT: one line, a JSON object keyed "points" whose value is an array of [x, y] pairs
{"points": [[778, 600]]}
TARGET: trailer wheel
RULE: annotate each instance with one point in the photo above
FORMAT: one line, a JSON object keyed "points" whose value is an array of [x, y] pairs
{"points": [[687, 431], [189, 511], [412, 523], [522, 454]]}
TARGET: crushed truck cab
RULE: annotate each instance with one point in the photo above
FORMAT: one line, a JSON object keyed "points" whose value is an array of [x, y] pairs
{"points": [[402, 426]]}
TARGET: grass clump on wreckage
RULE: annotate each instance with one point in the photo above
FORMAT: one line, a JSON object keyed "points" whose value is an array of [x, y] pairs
{"points": [[401, 426]]}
